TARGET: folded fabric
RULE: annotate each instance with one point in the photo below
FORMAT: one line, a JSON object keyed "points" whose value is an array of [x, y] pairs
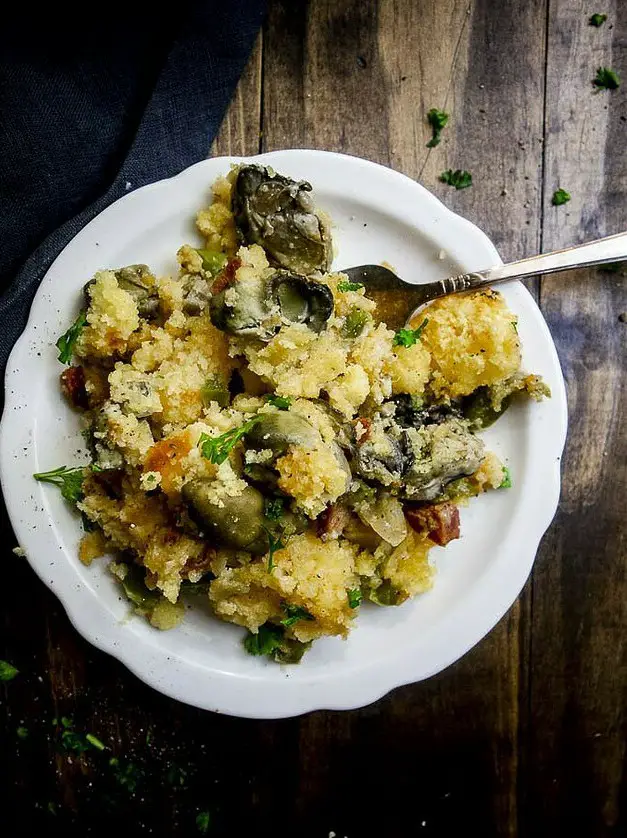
{"points": [[92, 106]]}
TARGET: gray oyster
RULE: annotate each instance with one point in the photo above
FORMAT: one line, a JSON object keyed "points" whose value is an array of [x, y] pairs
{"points": [[258, 307], [278, 213], [439, 453]]}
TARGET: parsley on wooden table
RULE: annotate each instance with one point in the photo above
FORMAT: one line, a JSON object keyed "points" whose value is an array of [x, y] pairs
{"points": [[560, 196], [460, 178], [606, 79], [203, 821], [437, 119], [597, 19], [7, 671]]}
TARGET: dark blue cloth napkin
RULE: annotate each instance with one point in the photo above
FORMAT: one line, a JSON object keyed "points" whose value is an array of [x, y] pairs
{"points": [[122, 94]]}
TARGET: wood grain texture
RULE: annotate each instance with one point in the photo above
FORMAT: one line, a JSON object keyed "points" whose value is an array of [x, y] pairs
{"points": [[524, 736], [579, 682]]}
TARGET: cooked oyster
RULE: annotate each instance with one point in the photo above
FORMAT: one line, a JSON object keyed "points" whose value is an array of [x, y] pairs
{"points": [[439, 453], [278, 213], [257, 307]]}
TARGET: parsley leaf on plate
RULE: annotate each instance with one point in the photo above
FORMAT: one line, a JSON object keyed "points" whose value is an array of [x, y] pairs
{"points": [[507, 479], [217, 448], [69, 480], [344, 285], [294, 613], [66, 342], [408, 337], [282, 402], [354, 597]]}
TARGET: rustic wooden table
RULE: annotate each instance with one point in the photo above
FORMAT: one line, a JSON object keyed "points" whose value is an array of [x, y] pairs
{"points": [[526, 735]]}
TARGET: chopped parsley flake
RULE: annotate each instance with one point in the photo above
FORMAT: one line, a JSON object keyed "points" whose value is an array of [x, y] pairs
{"points": [[267, 640], [437, 120], [203, 821], [7, 671], [66, 342], [127, 774], [216, 449], [69, 480], [294, 613], [95, 742], [460, 178], [408, 337], [273, 509], [597, 19], [606, 79], [271, 641], [274, 545], [354, 598], [560, 196], [282, 402], [507, 479], [344, 286]]}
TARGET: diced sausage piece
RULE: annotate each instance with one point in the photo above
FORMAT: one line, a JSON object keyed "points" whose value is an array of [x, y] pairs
{"points": [[226, 275], [73, 387], [439, 521], [363, 428], [332, 521]]}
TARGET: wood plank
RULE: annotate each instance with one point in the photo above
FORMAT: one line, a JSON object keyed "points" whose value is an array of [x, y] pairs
{"points": [[359, 78], [579, 684], [240, 130]]}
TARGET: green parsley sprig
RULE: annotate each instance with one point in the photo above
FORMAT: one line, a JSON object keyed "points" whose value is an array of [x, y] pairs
{"points": [[355, 597], [507, 479], [203, 821], [274, 545], [294, 613], [437, 119], [216, 449], [345, 286], [69, 480], [560, 197], [606, 79], [460, 178], [7, 671], [597, 19], [408, 337], [282, 402], [66, 342]]}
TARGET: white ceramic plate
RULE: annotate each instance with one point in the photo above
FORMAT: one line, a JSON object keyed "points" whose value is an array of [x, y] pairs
{"points": [[378, 215]]}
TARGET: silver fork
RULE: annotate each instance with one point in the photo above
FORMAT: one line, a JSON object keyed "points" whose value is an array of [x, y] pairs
{"points": [[599, 252]]}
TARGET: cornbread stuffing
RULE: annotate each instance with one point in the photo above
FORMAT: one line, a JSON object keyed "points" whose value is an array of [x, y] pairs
{"points": [[259, 435]]}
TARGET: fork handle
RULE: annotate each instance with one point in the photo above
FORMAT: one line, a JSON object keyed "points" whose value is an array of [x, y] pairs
{"points": [[609, 249]]}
